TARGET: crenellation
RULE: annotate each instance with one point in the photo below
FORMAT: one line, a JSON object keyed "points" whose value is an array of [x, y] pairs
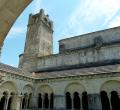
{"points": [[33, 19]]}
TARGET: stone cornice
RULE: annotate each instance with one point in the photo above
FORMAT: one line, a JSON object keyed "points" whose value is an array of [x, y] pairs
{"points": [[16, 76]]}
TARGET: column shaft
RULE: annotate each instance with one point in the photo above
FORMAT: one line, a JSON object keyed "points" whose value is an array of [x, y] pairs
{"points": [[59, 101]]}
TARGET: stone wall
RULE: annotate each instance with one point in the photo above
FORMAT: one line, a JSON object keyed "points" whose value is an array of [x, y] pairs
{"points": [[80, 57], [108, 35]]}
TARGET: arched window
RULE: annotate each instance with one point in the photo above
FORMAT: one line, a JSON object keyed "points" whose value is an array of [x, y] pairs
{"points": [[115, 101], [76, 101], [104, 101], [51, 100], [39, 101], [68, 101], [84, 101], [46, 101]]}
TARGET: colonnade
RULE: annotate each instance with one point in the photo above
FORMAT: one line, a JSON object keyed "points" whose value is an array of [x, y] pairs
{"points": [[15, 101], [110, 101], [45, 101], [83, 101], [25, 101], [72, 101], [6, 101]]}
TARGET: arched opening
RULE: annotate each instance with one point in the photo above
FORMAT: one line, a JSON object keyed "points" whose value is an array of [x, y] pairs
{"points": [[115, 101], [104, 101], [68, 101], [51, 100], [2, 102], [29, 100], [23, 101], [85, 101], [39, 101], [76, 100], [46, 101]]}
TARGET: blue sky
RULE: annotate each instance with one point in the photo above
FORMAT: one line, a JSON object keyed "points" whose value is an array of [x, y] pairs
{"points": [[71, 18]]}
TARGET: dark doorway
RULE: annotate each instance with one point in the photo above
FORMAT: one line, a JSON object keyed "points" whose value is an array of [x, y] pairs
{"points": [[76, 101], [68, 101], [85, 101], [2, 103], [51, 100], [104, 101], [39, 101], [46, 101], [23, 103], [115, 101]]}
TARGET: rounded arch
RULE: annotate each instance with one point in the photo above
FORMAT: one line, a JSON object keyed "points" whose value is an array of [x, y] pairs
{"points": [[45, 96], [110, 85], [28, 88], [75, 87], [9, 87], [44, 89]]}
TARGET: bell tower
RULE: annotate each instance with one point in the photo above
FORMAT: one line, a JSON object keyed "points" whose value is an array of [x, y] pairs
{"points": [[39, 40]]}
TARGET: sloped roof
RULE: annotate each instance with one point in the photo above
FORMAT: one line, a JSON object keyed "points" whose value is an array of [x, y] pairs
{"points": [[9, 12], [80, 72], [14, 70]]}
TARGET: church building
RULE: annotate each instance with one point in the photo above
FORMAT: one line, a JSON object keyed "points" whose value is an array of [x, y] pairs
{"points": [[84, 75]]}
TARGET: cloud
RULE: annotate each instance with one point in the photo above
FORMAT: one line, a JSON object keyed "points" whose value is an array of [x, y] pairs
{"points": [[90, 15], [115, 22], [15, 31]]}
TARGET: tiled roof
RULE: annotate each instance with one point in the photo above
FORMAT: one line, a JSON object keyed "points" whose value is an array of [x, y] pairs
{"points": [[11, 69], [79, 72], [65, 73]]}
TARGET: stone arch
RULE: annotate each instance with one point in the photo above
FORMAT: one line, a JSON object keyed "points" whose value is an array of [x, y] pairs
{"points": [[73, 92], [73, 87], [45, 96], [111, 85], [44, 89], [28, 89], [27, 96], [8, 86], [111, 89]]}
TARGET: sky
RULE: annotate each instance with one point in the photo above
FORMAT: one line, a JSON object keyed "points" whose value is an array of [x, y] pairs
{"points": [[70, 17]]}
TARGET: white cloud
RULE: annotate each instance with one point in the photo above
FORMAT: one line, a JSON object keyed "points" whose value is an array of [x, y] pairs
{"points": [[91, 13], [115, 22], [15, 31]]}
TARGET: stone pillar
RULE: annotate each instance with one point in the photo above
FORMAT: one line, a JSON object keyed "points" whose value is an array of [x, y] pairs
{"points": [[49, 100], [94, 102], [17, 100], [34, 102], [81, 102], [20, 103], [26, 105], [6, 102], [59, 102]]}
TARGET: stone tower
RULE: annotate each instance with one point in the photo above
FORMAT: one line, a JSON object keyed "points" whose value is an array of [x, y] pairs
{"points": [[39, 40]]}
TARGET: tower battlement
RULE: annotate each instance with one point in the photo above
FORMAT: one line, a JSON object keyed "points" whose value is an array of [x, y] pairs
{"points": [[41, 16]]}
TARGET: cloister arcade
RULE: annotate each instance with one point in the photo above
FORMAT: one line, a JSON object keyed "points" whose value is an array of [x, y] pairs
{"points": [[76, 96]]}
